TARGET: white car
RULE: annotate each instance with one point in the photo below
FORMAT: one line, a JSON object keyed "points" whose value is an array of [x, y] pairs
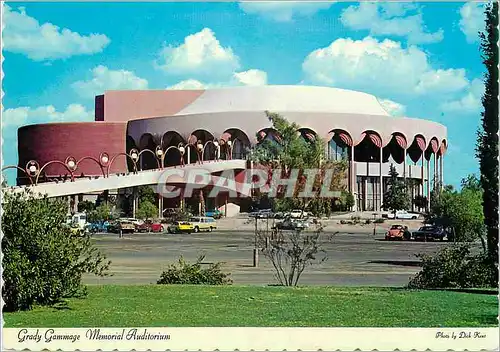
{"points": [[403, 214], [297, 214]]}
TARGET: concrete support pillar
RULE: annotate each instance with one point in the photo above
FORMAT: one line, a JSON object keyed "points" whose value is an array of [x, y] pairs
{"points": [[441, 171], [160, 206], [422, 178], [365, 195], [188, 150], [428, 183], [135, 201], [354, 189], [381, 189], [225, 205], [182, 204], [436, 179], [404, 165]]}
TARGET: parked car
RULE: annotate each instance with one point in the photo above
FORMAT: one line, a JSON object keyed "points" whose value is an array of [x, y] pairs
{"points": [[156, 226], [216, 214], [402, 214], [99, 226], [398, 232], [430, 232], [297, 214], [292, 224], [123, 225], [203, 223], [261, 214], [180, 227]]}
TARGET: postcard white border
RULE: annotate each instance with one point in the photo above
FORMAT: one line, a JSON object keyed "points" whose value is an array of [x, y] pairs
{"points": [[246, 339]]}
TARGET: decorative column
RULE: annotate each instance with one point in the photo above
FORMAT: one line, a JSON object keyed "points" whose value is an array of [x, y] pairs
{"points": [[436, 178], [354, 177], [135, 200], [189, 155], [381, 191], [422, 169], [428, 183], [160, 206], [441, 170], [404, 164]]}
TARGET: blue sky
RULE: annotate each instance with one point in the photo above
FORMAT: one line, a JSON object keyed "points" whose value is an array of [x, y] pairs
{"points": [[420, 59]]}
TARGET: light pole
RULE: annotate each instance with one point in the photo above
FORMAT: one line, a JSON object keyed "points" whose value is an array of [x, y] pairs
{"points": [[160, 155], [134, 155], [199, 149], [182, 150], [230, 147]]}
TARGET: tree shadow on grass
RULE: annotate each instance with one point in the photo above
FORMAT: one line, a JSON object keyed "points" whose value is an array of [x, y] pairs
{"points": [[397, 262]]}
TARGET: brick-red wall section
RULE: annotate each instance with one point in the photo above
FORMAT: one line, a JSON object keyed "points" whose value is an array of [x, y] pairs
{"points": [[57, 141]]}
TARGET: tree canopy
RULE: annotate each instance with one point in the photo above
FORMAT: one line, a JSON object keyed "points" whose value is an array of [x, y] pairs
{"points": [[487, 141], [396, 197], [291, 151], [43, 260]]}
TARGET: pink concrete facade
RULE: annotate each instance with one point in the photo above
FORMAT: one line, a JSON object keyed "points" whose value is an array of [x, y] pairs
{"points": [[122, 106]]}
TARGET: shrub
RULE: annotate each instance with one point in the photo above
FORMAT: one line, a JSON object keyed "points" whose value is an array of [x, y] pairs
{"points": [[343, 222], [368, 221], [193, 274], [379, 221], [355, 218], [453, 267], [43, 260]]}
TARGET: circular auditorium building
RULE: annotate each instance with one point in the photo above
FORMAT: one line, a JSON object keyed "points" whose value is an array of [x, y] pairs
{"points": [[355, 126]]}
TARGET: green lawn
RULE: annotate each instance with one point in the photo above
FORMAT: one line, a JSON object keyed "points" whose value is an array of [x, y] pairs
{"points": [[157, 305]]}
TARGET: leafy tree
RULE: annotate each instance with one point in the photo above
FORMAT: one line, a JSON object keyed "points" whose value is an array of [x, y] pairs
{"points": [[147, 194], [396, 197], [420, 201], [103, 212], [147, 210], [347, 200], [487, 141], [86, 206], [461, 211], [43, 260], [293, 152]]}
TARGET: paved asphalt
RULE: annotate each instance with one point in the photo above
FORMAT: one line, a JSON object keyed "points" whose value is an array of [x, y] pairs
{"points": [[354, 259]]}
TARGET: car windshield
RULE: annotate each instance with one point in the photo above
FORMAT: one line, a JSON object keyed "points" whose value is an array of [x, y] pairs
{"points": [[427, 228], [396, 227]]}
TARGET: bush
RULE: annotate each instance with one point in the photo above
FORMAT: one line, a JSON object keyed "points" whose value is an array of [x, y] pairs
{"points": [[43, 260], [193, 274], [368, 221], [453, 267], [379, 221]]}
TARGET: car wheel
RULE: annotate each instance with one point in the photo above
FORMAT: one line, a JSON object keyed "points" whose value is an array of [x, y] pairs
{"points": [[210, 229], [196, 229], [168, 230], [414, 218]]}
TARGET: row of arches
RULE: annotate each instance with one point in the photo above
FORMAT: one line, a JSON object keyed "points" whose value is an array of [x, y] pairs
{"points": [[235, 144]]}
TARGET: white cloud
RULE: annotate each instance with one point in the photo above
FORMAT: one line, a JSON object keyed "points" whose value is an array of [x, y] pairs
{"points": [[284, 11], [105, 79], [383, 19], [16, 117], [190, 84], [393, 108], [251, 77], [201, 54], [470, 102], [24, 34], [383, 68], [472, 20]]}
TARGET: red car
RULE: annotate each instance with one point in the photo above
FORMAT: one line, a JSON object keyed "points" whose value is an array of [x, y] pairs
{"points": [[155, 226], [396, 232], [150, 226]]}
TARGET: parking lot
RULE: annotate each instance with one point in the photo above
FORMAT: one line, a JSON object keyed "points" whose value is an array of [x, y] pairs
{"points": [[355, 256]]}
